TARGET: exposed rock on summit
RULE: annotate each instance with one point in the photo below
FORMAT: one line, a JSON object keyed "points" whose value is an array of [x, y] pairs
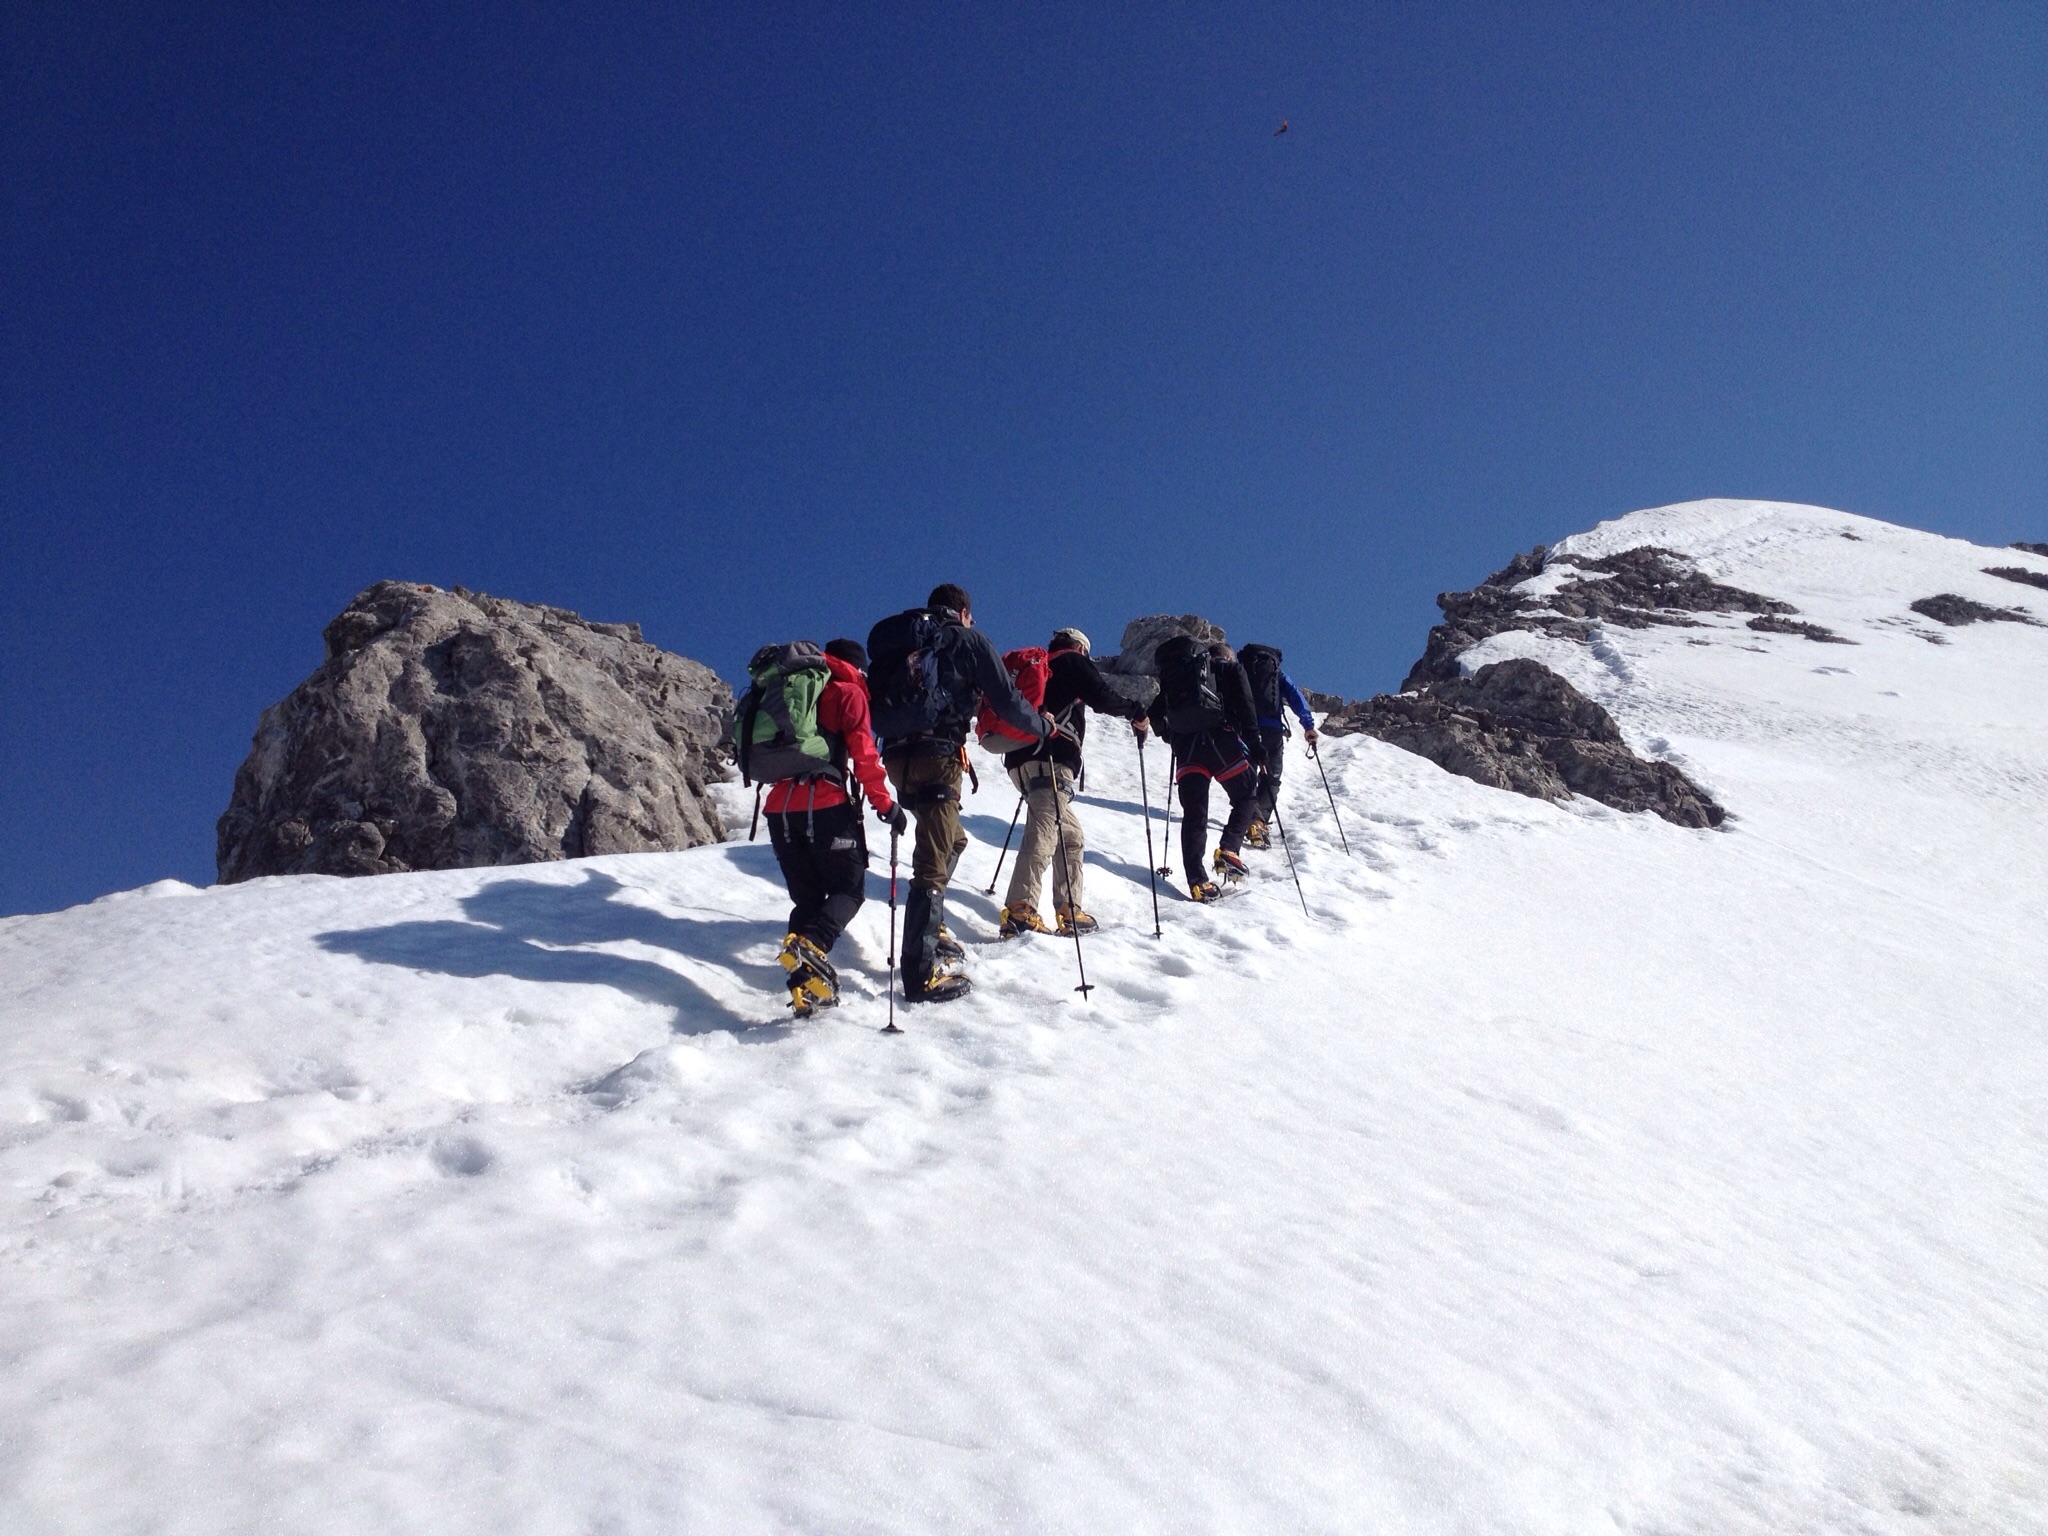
{"points": [[1634, 589], [449, 729], [1518, 725]]}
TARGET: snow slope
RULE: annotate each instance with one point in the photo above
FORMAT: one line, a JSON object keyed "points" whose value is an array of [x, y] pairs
{"points": [[1564, 1171]]}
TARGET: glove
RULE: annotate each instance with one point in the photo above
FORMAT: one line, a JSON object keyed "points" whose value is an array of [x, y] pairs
{"points": [[1308, 734], [896, 821], [1140, 729]]}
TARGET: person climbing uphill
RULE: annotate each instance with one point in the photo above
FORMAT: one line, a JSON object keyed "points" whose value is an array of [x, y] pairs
{"points": [[1045, 773], [929, 671], [1272, 691], [799, 729], [1204, 709]]}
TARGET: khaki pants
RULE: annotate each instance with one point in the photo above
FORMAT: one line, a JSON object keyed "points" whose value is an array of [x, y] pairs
{"points": [[928, 786], [1048, 806]]}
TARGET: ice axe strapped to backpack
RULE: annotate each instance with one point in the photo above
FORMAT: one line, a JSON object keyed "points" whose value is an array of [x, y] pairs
{"points": [[775, 732]]}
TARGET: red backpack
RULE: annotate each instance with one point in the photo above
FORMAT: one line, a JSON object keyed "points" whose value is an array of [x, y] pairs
{"points": [[1029, 669]]}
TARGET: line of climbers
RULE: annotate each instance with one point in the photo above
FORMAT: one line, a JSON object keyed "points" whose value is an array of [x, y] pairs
{"points": [[808, 729]]}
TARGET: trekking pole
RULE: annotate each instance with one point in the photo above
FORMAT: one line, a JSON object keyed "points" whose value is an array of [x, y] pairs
{"points": [[890, 1027], [1166, 851], [1145, 790], [1317, 758], [1290, 857], [757, 814], [992, 879], [1067, 870]]}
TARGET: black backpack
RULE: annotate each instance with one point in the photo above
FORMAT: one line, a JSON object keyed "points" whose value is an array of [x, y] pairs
{"points": [[1187, 686], [911, 686], [1262, 670]]}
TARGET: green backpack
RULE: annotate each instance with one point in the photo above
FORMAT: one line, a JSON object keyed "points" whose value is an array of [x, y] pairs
{"points": [[776, 734]]}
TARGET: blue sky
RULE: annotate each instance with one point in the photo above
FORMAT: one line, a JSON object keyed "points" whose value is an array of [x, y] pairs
{"points": [[755, 321]]}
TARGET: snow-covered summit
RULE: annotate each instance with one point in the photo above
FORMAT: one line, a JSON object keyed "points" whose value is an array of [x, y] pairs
{"points": [[1560, 1171]]}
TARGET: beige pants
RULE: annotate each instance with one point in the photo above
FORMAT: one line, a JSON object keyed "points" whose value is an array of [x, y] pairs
{"points": [[1048, 805]]}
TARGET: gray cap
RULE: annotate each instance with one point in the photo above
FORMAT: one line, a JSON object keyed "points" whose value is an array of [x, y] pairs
{"points": [[1070, 639]]}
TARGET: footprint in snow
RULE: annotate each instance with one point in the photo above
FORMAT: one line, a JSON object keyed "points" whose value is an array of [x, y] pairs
{"points": [[462, 1157]]}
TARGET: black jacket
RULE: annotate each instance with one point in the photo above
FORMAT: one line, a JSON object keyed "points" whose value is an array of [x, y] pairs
{"points": [[1073, 681]]}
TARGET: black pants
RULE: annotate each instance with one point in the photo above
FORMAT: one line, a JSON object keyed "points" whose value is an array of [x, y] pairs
{"points": [[1217, 755], [825, 865], [1272, 757]]}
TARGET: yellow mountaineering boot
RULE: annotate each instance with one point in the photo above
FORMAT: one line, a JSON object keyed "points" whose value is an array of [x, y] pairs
{"points": [[813, 984], [1021, 919]]}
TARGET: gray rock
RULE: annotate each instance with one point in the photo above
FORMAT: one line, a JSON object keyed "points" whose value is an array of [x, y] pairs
{"points": [[1771, 624], [2032, 549], [447, 730], [1131, 672], [1517, 725], [1634, 589], [1947, 608], [2018, 573]]}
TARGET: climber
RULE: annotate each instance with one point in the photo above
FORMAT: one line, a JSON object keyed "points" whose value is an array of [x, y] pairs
{"points": [[1044, 774]]}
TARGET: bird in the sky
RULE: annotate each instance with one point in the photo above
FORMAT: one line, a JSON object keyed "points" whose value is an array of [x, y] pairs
{"points": [[1281, 129]]}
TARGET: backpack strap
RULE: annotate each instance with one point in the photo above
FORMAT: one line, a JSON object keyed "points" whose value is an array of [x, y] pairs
{"points": [[743, 738]]}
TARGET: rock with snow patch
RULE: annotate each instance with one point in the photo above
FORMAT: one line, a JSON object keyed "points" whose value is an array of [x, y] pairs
{"points": [[1517, 725], [450, 729], [1774, 624], [1947, 608], [2018, 573], [1633, 589]]}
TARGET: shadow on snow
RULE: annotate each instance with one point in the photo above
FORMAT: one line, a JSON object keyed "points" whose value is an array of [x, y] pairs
{"points": [[531, 930]]}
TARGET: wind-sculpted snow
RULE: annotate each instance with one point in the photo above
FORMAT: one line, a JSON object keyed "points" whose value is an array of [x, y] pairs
{"points": [[1563, 1171]]}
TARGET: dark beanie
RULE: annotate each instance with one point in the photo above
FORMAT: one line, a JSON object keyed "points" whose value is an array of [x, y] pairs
{"points": [[848, 651]]}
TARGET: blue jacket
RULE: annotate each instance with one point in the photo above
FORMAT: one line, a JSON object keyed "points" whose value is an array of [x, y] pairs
{"points": [[1291, 695]]}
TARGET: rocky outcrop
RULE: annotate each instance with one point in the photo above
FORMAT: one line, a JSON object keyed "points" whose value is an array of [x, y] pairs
{"points": [[449, 729], [1772, 624], [1634, 589], [1517, 725], [1131, 671], [1947, 608], [2019, 574], [2032, 549]]}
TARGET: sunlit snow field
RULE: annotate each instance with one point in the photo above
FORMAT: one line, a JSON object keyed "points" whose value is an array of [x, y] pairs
{"points": [[1562, 1171]]}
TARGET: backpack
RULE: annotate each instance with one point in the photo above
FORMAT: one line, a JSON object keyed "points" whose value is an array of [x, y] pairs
{"points": [[775, 732], [1187, 686], [1261, 665], [911, 689], [1030, 669]]}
